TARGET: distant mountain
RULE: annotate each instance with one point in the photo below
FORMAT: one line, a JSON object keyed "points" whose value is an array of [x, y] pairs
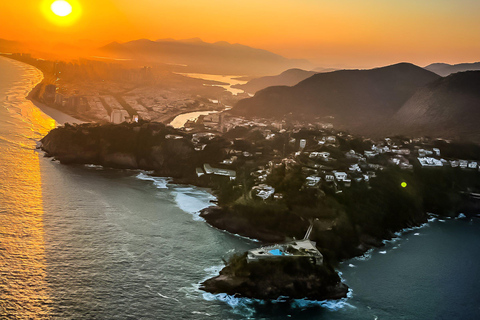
{"points": [[447, 107], [199, 56], [356, 98], [322, 69], [445, 69], [287, 78], [7, 46]]}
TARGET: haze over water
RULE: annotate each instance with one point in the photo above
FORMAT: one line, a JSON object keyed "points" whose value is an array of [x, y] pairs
{"points": [[83, 242]]}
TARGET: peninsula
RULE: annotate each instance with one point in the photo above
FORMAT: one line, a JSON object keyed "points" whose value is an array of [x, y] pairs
{"points": [[273, 181]]}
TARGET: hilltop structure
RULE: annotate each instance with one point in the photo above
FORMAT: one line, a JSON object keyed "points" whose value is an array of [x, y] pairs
{"points": [[290, 250]]}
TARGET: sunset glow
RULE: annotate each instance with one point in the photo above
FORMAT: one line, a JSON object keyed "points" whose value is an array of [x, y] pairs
{"points": [[346, 33]]}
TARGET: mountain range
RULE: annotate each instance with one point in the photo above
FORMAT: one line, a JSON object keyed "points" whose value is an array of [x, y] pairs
{"points": [[287, 78], [7, 46], [198, 56], [354, 98], [447, 107], [398, 99], [444, 69]]}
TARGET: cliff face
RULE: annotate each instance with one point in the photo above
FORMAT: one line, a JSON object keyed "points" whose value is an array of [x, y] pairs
{"points": [[145, 146]]}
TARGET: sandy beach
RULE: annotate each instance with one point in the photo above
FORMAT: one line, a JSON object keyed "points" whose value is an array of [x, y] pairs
{"points": [[60, 117]]}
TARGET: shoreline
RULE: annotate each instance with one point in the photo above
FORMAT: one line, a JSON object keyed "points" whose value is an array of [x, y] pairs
{"points": [[59, 116], [62, 117]]}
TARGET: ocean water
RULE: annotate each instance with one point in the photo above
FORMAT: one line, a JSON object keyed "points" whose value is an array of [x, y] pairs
{"points": [[230, 81], [85, 242]]}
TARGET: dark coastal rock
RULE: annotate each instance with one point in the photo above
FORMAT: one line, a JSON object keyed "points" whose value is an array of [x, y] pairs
{"points": [[269, 280], [223, 219], [147, 146]]}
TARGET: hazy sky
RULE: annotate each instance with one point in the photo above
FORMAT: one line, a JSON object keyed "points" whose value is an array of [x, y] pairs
{"points": [[359, 33]]}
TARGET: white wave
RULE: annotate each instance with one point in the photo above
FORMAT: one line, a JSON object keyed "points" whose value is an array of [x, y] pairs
{"points": [[416, 234], [241, 306], [94, 166], [167, 297], [332, 305], [193, 201], [159, 182], [202, 313], [352, 265], [366, 256], [461, 216], [393, 240], [212, 271]]}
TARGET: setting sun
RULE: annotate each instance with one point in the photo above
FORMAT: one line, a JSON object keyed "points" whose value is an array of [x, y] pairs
{"points": [[61, 13], [61, 8]]}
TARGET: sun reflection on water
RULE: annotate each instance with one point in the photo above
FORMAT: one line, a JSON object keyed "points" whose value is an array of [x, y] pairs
{"points": [[22, 247]]}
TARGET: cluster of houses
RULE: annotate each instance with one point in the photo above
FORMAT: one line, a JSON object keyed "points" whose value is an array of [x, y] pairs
{"points": [[321, 168], [322, 153]]}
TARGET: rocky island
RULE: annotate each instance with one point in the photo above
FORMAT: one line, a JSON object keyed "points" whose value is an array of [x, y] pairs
{"points": [[270, 272]]}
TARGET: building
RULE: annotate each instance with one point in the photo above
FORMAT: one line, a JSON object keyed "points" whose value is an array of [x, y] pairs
{"points": [[312, 181], [231, 174], [429, 162], [263, 191], [303, 144], [290, 250], [117, 117], [59, 100], [319, 155], [50, 92], [340, 176]]}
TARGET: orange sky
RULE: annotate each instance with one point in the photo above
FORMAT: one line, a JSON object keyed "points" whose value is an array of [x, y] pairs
{"points": [[341, 33]]}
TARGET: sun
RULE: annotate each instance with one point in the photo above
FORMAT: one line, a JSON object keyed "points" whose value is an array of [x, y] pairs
{"points": [[61, 8]]}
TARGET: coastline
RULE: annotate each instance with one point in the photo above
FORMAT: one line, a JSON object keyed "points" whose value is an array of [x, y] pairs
{"points": [[62, 117], [59, 116]]}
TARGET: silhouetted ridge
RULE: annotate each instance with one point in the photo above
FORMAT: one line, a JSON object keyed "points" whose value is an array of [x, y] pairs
{"points": [[287, 78], [355, 98], [445, 69], [448, 107]]}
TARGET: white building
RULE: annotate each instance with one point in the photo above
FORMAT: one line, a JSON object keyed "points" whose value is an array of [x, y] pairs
{"points": [[290, 250], [117, 117], [312, 181], [429, 162], [263, 191], [340, 176], [231, 174]]}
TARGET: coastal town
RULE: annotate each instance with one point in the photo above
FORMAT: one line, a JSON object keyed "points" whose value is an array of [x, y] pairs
{"points": [[111, 92]]}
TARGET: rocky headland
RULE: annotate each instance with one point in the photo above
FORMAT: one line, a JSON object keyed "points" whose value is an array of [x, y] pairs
{"points": [[268, 280], [147, 145]]}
